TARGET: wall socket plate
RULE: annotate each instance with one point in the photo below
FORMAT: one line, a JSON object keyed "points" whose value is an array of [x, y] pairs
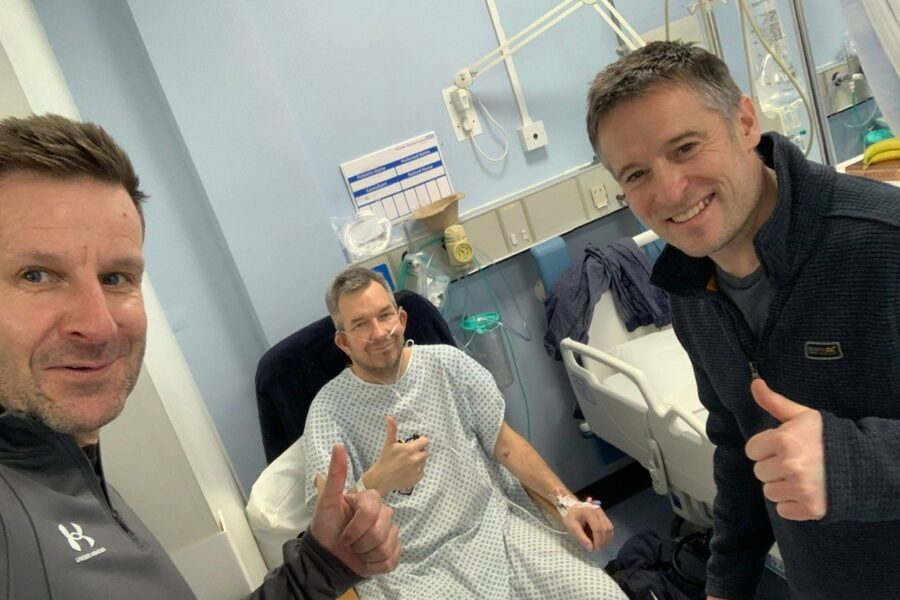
{"points": [[461, 134], [599, 196], [533, 136]]}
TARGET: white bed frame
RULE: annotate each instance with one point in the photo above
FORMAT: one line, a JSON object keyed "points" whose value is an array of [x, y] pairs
{"points": [[664, 434]]}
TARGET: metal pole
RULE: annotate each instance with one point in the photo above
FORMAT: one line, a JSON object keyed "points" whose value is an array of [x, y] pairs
{"points": [[819, 119], [712, 30], [622, 47]]}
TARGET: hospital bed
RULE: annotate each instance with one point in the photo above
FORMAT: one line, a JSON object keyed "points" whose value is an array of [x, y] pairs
{"points": [[637, 391]]}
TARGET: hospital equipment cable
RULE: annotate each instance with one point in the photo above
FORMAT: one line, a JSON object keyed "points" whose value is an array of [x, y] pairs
{"points": [[496, 125], [480, 271], [849, 51], [745, 12], [862, 123], [420, 269], [666, 17], [461, 275], [490, 486], [589, 503], [747, 61]]}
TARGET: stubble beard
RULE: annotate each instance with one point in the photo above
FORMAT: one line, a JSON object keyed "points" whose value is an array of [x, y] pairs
{"points": [[386, 372], [33, 401]]}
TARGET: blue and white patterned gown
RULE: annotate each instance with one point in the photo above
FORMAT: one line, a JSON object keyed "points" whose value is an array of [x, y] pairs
{"points": [[460, 536]]}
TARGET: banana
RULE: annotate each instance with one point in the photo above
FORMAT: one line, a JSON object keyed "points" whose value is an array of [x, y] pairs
{"points": [[883, 156], [888, 145]]}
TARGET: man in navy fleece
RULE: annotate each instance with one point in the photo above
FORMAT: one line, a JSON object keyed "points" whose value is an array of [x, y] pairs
{"points": [[784, 280]]}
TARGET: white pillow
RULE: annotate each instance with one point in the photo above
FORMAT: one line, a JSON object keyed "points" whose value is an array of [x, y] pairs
{"points": [[277, 509]]}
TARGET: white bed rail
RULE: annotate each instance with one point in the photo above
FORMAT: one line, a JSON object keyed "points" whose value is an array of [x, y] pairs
{"points": [[571, 350]]}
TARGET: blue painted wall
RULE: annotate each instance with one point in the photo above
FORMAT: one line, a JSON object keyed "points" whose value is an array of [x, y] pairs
{"points": [[238, 115], [188, 257]]}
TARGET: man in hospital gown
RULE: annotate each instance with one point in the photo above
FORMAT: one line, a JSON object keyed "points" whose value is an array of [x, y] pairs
{"points": [[462, 537]]}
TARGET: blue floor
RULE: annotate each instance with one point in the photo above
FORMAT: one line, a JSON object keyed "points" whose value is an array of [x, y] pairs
{"points": [[648, 510]]}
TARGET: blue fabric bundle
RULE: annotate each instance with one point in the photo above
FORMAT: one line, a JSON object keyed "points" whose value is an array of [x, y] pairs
{"points": [[621, 267]]}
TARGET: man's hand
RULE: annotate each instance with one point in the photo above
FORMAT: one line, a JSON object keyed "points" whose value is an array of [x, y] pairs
{"points": [[590, 526], [400, 466], [357, 528], [790, 459]]}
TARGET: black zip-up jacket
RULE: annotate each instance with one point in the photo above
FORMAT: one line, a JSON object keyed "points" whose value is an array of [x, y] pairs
{"points": [[66, 534], [831, 342]]}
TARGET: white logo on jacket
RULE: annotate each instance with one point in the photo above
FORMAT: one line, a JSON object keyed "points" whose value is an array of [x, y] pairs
{"points": [[77, 535]]}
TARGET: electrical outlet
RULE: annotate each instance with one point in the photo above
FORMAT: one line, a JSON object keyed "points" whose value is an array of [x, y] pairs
{"points": [[533, 136], [456, 120], [515, 225], [599, 197]]}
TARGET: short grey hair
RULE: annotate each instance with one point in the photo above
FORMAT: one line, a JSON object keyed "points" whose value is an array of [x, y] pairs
{"points": [[349, 281], [659, 63]]}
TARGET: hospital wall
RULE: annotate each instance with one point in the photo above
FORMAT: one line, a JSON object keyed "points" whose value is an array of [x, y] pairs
{"points": [[237, 115]]}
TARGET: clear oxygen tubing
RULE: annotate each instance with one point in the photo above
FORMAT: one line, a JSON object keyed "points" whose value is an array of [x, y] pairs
{"points": [[404, 268], [848, 50], [506, 328], [745, 12], [508, 501], [825, 142], [708, 16], [855, 110], [460, 275]]}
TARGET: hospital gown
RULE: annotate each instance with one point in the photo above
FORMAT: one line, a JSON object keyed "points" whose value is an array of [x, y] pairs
{"points": [[461, 538]]}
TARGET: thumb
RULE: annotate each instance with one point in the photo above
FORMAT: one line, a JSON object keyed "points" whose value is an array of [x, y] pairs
{"points": [[333, 491], [773, 403], [390, 437], [352, 501]]}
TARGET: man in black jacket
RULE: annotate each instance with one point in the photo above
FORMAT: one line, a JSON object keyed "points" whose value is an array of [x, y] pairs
{"points": [[783, 280], [72, 338]]}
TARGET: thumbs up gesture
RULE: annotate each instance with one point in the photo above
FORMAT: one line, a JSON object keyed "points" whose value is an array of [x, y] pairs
{"points": [[357, 528], [400, 465], [790, 459]]}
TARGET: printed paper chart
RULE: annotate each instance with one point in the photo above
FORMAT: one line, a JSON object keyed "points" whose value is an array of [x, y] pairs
{"points": [[396, 181]]}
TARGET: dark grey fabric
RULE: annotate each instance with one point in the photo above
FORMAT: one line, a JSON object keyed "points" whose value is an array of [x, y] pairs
{"points": [[48, 485], [620, 266], [751, 294], [832, 249], [47, 481], [309, 571]]}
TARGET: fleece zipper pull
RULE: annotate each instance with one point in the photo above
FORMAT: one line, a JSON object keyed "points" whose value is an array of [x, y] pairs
{"points": [[754, 370]]}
